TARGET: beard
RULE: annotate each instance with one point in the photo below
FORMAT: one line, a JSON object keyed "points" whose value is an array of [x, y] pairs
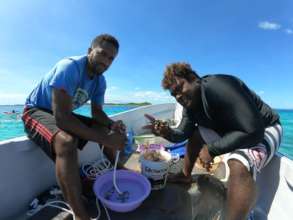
{"points": [[185, 101], [191, 100], [195, 99], [98, 68]]}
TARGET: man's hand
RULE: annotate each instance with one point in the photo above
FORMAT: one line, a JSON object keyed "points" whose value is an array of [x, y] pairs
{"points": [[118, 126], [158, 127], [205, 158], [115, 140]]}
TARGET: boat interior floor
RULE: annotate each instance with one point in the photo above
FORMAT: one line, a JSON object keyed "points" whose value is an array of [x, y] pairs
{"points": [[202, 199]]}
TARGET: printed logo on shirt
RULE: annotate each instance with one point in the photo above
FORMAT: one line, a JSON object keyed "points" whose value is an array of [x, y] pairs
{"points": [[80, 97]]}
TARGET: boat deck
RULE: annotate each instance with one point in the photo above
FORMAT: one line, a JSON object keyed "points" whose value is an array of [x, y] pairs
{"points": [[199, 200]]}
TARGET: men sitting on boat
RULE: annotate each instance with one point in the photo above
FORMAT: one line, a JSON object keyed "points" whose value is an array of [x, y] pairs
{"points": [[221, 115], [50, 122]]}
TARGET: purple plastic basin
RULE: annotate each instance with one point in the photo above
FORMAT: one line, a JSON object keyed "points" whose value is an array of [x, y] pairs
{"points": [[137, 185]]}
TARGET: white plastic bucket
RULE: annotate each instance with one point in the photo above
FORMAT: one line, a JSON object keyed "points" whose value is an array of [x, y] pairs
{"points": [[157, 171]]}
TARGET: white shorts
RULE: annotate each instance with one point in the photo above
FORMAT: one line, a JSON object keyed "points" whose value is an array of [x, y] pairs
{"points": [[256, 157]]}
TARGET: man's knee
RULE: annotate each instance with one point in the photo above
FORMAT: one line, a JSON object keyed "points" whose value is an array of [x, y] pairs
{"points": [[65, 144], [237, 169]]}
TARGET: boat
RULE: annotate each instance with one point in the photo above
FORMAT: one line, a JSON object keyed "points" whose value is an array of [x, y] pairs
{"points": [[26, 172]]}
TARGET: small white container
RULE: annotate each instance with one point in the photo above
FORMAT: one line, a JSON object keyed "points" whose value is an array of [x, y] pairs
{"points": [[157, 171]]}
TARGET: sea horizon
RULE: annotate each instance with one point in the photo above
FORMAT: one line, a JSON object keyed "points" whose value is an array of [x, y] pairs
{"points": [[108, 103]]}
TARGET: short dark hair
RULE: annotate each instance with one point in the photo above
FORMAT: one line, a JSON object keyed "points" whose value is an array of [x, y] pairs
{"points": [[182, 70], [105, 37]]}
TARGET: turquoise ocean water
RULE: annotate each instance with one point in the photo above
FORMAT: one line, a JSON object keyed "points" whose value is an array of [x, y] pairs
{"points": [[11, 125]]}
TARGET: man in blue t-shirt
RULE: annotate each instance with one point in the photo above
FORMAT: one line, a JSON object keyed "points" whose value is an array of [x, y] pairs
{"points": [[50, 122]]}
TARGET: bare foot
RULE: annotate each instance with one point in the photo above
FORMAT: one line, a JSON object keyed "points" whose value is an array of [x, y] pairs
{"points": [[179, 178]]}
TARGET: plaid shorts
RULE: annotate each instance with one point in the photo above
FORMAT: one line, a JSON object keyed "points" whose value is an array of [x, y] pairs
{"points": [[256, 157], [40, 126]]}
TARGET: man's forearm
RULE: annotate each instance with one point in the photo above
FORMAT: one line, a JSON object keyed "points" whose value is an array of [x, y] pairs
{"points": [[193, 148], [183, 131], [102, 118], [176, 135]]}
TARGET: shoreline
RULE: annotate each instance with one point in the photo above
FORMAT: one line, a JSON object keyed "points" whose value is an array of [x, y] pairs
{"points": [[113, 104]]}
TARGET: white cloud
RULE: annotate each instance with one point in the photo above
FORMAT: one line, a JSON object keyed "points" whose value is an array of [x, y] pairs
{"points": [[112, 88], [152, 95], [139, 96], [266, 25], [289, 31], [12, 98]]}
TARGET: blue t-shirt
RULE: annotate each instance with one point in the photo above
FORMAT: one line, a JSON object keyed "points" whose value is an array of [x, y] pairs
{"points": [[70, 75]]}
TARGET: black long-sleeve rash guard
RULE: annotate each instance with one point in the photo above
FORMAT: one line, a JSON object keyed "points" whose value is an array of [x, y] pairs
{"points": [[230, 108]]}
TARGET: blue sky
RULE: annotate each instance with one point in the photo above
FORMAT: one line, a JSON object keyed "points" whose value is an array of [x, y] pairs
{"points": [[250, 39]]}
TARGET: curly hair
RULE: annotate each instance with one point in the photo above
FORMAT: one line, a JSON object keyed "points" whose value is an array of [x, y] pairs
{"points": [[179, 69], [105, 37]]}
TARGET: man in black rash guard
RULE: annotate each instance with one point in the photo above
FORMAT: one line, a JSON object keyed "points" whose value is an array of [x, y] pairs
{"points": [[221, 115]]}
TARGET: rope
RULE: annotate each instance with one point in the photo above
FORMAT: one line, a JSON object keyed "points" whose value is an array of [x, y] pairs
{"points": [[114, 173], [92, 171]]}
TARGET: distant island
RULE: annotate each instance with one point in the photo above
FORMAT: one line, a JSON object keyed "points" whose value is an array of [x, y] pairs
{"points": [[130, 103]]}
